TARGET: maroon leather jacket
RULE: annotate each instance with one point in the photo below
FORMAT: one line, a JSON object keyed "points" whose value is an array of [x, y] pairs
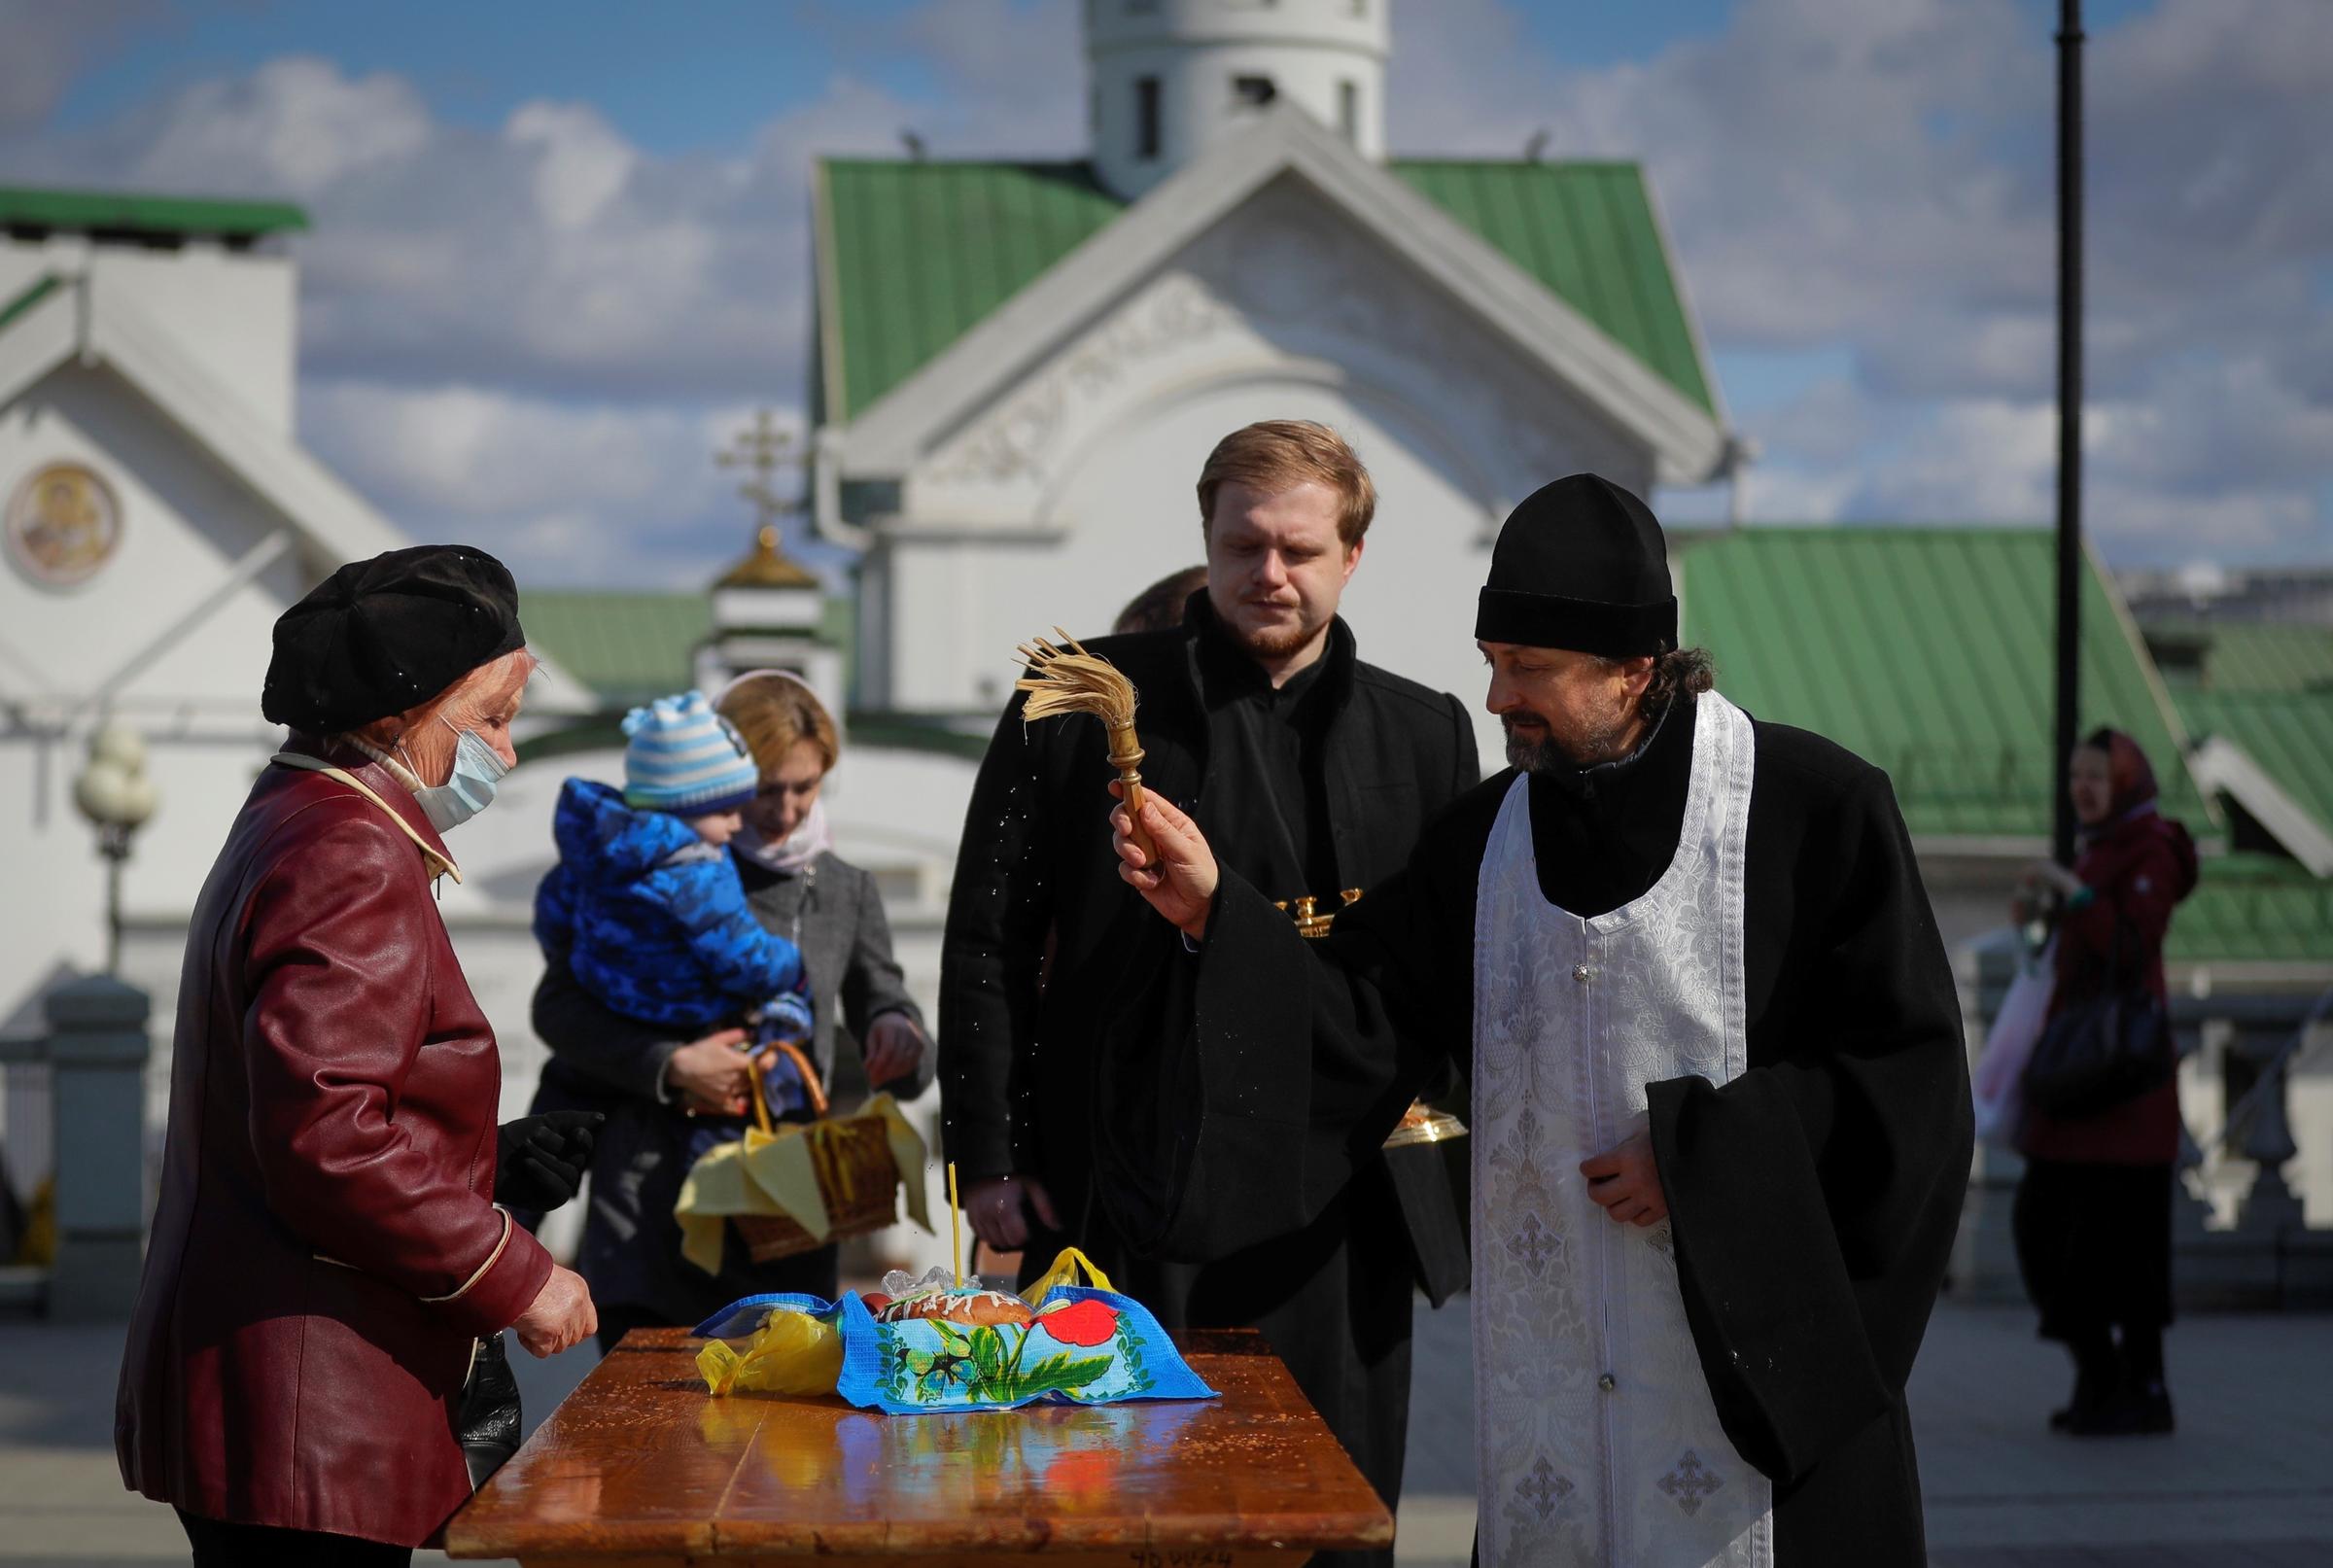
{"points": [[326, 1250]]}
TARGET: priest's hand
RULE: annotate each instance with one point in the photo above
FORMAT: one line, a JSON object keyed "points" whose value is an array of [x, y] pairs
{"points": [[1181, 884], [998, 1209], [1625, 1181]]}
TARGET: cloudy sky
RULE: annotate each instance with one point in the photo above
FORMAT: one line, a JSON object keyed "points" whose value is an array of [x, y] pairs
{"points": [[560, 249]]}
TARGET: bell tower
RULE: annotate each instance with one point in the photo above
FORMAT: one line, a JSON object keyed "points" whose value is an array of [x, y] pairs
{"points": [[1169, 78]]}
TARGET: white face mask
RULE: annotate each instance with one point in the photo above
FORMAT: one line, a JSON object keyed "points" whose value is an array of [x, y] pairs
{"points": [[470, 789]]}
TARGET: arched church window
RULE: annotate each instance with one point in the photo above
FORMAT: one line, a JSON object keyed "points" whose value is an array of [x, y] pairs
{"points": [[1253, 91], [1348, 109]]}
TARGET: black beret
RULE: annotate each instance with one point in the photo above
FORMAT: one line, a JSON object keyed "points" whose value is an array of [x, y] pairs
{"points": [[381, 635], [1580, 564]]}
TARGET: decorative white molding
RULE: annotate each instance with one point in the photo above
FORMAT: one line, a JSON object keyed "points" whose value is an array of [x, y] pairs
{"points": [[1017, 440]]}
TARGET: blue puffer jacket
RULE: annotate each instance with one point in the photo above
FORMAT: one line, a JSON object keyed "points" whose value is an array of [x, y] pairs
{"points": [[653, 920]]}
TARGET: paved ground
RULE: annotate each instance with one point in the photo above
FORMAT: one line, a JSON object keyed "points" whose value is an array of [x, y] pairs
{"points": [[2247, 1481]]}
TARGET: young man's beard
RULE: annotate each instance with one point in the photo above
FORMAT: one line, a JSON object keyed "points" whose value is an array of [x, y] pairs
{"points": [[1274, 642], [1583, 744]]}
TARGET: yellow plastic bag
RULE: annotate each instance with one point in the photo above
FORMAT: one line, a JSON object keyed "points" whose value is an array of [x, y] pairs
{"points": [[1064, 1271], [791, 1353]]}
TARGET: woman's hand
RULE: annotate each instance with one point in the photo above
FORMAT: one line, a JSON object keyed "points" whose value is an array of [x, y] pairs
{"points": [[1182, 884], [562, 1315], [894, 1050], [2050, 874], [712, 1075]]}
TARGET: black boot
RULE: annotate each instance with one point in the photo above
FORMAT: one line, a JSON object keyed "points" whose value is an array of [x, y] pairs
{"points": [[2099, 1406], [2143, 1377]]}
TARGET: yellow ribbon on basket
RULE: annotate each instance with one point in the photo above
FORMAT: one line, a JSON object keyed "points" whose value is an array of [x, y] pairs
{"points": [[777, 1172]]}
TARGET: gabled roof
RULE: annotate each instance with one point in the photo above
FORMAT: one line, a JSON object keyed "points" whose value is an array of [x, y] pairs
{"points": [[86, 320], [102, 323], [1930, 652], [940, 282], [110, 214], [922, 251]]}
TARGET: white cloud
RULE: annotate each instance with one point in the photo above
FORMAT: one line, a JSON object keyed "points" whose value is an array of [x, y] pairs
{"points": [[1879, 173], [520, 321], [568, 494]]}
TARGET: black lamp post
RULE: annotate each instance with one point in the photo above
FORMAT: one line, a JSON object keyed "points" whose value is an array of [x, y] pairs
{"points": [[2070, 416]]}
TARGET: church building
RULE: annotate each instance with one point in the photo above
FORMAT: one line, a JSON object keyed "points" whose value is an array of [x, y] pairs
{"points": [[1021, 367], [159, 514]]}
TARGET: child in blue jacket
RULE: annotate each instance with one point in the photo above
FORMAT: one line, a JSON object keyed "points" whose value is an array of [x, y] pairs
{"points": [[645, 905]]}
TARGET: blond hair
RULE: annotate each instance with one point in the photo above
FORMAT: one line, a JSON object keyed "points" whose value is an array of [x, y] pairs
{"points": [[776, 711], [1278, 454]]}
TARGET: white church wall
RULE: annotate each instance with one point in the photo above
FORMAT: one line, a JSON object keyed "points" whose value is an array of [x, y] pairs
{"points": [[184, 523], [1076, 488], [233, 312]]}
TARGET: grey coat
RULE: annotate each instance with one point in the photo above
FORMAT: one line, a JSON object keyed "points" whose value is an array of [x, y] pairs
{"points": [[601, 1060]]}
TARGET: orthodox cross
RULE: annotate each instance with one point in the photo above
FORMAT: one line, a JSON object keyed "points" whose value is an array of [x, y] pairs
{"points": [[764, 448]]}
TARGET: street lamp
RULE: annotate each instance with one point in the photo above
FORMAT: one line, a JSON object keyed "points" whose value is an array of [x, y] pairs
{"points": [[115, 794]]}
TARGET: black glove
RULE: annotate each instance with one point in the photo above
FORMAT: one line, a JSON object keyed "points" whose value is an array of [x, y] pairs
{"points": [[540, 1161]]}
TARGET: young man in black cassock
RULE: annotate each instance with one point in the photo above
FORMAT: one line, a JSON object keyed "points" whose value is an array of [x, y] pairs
{"points": [[1720, 1098], [1315, 772]]}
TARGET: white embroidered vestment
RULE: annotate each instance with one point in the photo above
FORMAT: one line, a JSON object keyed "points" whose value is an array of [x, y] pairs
{"points": [[1596, 1440]]}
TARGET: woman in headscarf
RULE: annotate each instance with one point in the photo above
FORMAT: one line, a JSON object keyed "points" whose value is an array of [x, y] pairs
{"points": [[2093, 1215], [327, 1254], [652, 1086]]}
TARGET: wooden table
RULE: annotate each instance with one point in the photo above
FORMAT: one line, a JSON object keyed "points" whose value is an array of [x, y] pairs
{"points": [[640, 1466]]}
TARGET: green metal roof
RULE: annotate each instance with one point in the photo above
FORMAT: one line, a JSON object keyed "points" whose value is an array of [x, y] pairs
{"points": [[2254, 908], [2257, 656], [1587, 231], [913, 254], [149, 217], [625, 648], [1928, 651], [628, 648], [2289, 733]]}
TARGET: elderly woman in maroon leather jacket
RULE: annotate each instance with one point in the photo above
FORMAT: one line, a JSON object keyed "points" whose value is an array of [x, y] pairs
{"points": [[328, 1250], [2093, 1212]]}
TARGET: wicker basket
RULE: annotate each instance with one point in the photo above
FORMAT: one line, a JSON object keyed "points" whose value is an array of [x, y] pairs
{"points": [[859, 1177]]}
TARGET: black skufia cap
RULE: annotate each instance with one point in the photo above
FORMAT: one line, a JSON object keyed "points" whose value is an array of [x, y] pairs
{"points": [[1582, 563], [381, 635]]}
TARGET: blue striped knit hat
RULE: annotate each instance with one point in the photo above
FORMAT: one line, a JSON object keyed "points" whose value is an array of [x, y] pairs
{"points": [[683, 757]]}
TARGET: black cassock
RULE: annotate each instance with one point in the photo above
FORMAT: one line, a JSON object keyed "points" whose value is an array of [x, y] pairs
{"points": [[1813, 1200], [1322, 785]]}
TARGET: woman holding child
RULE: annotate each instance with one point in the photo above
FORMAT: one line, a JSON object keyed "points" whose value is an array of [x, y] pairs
{"points": [[672, 1082]]}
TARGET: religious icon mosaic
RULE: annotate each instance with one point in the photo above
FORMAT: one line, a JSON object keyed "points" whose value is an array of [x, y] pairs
{"points": [[63, 524]]}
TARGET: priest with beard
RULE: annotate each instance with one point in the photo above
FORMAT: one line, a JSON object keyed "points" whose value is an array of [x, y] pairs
{"points": [[1719, 1097]]}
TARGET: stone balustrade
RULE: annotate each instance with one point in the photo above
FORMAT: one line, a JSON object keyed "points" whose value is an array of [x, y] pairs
{"points": [[2263, 1252], [95, 1051]]}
